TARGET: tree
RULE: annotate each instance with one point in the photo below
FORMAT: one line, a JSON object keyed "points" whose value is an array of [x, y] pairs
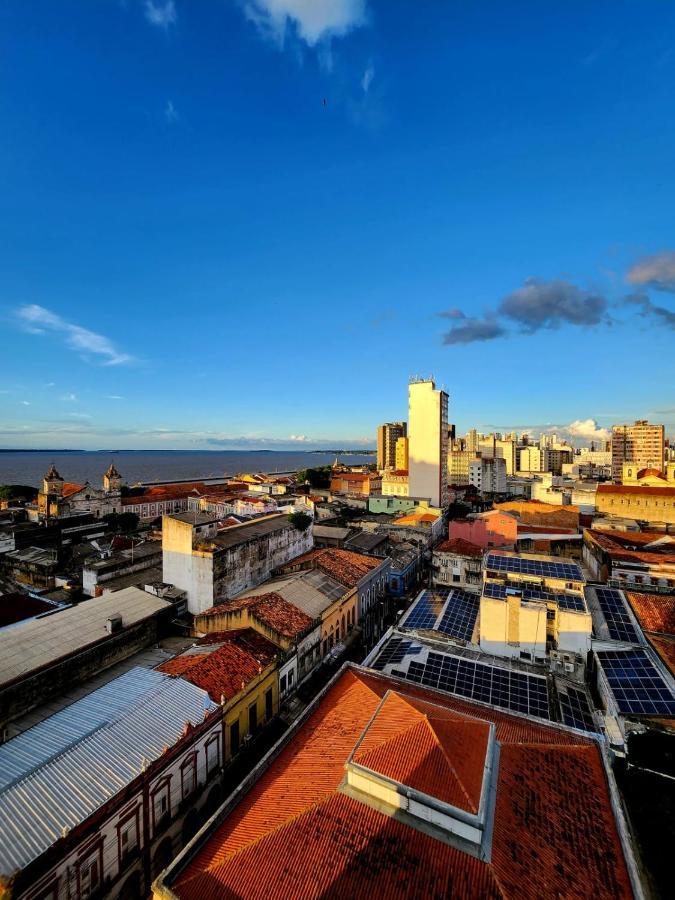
{"points": [[301, 520], [318, 477], [17, 492]]}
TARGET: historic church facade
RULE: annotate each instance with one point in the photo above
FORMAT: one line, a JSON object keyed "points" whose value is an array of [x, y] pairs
{"points": [[59, 498]]}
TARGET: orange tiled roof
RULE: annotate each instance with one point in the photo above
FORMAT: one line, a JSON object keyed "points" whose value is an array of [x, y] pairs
{"points": [[655, 612], [227, 669], [344, 566], [158, 493], [294, 834], [665, 647], [70, 488], [460, 546], [657, 473], [621, 545], [415, 519], [271, 610]]}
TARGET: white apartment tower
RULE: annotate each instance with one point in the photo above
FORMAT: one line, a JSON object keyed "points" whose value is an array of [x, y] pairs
{"points": [[428, 442]]}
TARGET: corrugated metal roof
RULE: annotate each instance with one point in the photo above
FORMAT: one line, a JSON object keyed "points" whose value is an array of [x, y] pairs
{"points": [[58, 773]]}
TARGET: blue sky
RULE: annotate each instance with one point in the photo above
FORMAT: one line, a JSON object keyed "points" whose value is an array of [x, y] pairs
{"points": [[196, 251]]}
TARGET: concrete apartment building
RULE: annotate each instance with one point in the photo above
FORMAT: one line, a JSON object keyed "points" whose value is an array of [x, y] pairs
{"points": [[531, 604], [387, 438], [535, 459], [641, 444], [458, 466], [209, 563], [428, 442], [488, 475], [97, 799], [402, 454]]}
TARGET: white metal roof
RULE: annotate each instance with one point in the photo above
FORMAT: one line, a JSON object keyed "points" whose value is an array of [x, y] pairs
{"points": [[58, 773], [39, 642]]}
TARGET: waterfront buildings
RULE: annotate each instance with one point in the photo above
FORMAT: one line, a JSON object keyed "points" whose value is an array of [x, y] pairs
{"points": [[59, 498], [387, 438], [428, 442], [641, 444]]}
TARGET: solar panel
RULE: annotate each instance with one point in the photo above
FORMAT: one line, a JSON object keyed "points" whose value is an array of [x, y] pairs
{"points": [[498, 591], [479, 681], [616, 615], [540, 567], [459, 616], [636, 683], [575, 709], [426, 610], [393, 652]]}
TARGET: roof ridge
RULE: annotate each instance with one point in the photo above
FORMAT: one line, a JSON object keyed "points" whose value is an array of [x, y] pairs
{"points": [[427, 721]]}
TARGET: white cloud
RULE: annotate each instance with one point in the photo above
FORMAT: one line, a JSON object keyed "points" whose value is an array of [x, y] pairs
{"points": [[587, 429], [38, 320], [367, 79], [161, 14], [114, 397], [313, 20], [25, 403], [170, 112], [70, 397], [300, 438]]}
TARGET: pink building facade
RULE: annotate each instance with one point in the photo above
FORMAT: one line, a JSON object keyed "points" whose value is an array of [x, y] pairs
{"points": [[490, 529]]}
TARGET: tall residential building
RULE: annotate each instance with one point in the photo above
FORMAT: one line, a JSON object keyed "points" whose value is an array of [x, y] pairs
{"points": [[458, 466], [428, 442], [402, 454], [471, 440], [488, 475], [641, 444], [387, 435]]}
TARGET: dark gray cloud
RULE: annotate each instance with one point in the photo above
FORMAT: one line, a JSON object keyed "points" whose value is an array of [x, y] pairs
{"points": [[656, 271], [550, 304], [467, 331], [649, 309]]}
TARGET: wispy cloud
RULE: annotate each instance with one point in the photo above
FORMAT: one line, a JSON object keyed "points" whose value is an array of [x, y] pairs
{"points": [[649, 310], [537, 305], [171, 113], [367, 79], [114, 397], [25, 403], [161, 13], [312, 21], [656, 271], [72, 398], [38, 320]]}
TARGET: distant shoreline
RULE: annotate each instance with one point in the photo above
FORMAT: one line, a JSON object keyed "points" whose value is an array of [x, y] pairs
{"points": [[178, 450]]}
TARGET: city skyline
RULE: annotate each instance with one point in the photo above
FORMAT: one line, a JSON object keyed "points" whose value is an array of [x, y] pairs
{"points": [[205, 204]]}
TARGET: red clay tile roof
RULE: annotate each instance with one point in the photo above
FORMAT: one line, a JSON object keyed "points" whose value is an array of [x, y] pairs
{"points": [[271, 610], [655, 612], [70, 488], [160, 492], [344, 566], [657, 473], [427, 748], [227, 669], [295, 835], [459, 546], [665, 647], [620, 545]]}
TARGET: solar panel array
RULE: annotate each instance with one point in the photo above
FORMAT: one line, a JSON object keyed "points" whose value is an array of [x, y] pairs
{"points": [[636, 683], [451, 612], [543, 568], [393, 652], [575, 709], [498, 591], [616, 615], [506, 688]]}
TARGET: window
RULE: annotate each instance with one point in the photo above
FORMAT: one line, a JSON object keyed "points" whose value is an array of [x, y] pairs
{"points": [[290, 678], [212, 754], [188, 776], [252, 718], [127, 837], [90, 875], [269, 704], [282, 684], [161, 805], [234, 738]]}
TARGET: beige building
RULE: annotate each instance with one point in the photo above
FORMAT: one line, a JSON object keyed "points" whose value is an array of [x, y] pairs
{"points": [[641, 444], [402, 454], [59, 498], [395, 483], [458, 466], [387, 436], [428, 442]]}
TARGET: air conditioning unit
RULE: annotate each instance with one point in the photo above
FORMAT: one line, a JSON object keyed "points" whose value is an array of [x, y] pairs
{"points": [[113, 623]]}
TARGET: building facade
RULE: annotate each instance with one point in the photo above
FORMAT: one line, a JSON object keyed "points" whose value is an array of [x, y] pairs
{"points": [[641, 444], [59, 498], [428, 442], [387, 437], [488, 475]]}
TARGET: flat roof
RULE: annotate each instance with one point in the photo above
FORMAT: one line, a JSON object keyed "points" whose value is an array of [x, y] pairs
{"points": [[41, 642], [239, 534]]}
